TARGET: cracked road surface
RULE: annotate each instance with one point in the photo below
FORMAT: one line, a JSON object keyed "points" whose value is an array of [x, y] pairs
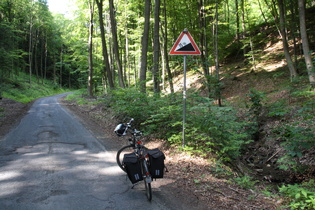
{"points": [[50, 161]]}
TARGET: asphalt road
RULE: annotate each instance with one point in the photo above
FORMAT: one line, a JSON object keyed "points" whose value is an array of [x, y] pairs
{"points": [[51, 161]]}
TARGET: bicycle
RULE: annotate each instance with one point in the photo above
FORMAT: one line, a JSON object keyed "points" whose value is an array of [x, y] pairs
{"points": [[136, 155]]}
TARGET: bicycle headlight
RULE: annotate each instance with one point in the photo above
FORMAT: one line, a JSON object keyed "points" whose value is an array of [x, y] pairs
{"points": [[120, 130]]}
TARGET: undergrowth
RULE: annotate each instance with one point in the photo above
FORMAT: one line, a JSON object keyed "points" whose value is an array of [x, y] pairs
{"points": [[223, 132], [20, 89], [300, 196]]}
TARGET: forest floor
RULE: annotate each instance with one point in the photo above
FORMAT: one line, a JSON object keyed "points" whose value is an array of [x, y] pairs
{"points": [[192, 180]]}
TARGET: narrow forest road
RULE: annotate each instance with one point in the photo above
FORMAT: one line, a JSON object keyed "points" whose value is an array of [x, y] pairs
{"points": [[51, 161]]}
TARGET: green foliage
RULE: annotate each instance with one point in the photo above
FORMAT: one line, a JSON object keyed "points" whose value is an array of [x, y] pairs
{"points": [[216, 129], [209, 128], [256, 98], [278, 109], [301, 196], [307, 99], [129, 103], [77, 96], [219, 169], [296, 137], [245, 182], [25, 92]]}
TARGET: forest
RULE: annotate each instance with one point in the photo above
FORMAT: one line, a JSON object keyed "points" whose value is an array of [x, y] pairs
{"points": [[117, 53]]}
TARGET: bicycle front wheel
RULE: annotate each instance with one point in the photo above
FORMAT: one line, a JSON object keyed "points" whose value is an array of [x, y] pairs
{"points": [[148, 190], [147, 180], [120, 155]]}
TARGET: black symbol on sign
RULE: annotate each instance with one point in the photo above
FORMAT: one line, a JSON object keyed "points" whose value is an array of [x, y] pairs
{"points": [[188, 48]]}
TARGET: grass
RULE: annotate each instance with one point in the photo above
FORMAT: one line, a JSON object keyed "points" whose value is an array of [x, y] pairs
{"points": [[21, 90]]}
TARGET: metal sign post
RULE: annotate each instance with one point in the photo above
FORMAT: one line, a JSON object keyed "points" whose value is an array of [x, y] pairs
{"points": [[184, 45], [184, 103]]}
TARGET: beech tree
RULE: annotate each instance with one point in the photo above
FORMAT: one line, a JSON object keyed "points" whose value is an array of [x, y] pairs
{"points": [[144, 46], [156, 44], [91, 68], [305, 44], [107, 73], [283, 33], [115, 43]]}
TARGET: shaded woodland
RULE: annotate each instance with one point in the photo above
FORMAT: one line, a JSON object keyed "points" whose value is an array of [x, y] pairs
{"points": [[127, 42], [257, 121]]}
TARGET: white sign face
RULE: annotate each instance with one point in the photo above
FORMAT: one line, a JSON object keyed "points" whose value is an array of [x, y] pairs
{"points": [[185, 45]]}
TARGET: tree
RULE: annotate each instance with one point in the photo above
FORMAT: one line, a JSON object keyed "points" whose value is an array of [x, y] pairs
{"points": [[106, 66], [203, 44], [218, 89], [292, 69], [144, 46], [305, 44], [165, 50], [156, 50], [115, 43], [90, 44]]}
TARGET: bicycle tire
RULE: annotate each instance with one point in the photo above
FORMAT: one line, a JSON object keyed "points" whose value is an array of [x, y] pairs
{"points": [[120, 155], [148, 189]]}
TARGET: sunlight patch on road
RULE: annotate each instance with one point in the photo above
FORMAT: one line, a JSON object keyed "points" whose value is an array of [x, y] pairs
{"points": [[113, 170], [80, 152], [9, 175]]}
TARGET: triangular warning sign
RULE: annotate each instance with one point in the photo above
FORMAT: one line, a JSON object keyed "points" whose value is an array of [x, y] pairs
{"points": [[185, 45]]}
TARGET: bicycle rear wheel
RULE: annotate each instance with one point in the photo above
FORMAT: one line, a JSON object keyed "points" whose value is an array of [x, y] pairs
{"points": [[120, 155]]}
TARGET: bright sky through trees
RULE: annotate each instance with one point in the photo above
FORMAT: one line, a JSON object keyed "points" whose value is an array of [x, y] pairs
{"points": [[59, 6]]}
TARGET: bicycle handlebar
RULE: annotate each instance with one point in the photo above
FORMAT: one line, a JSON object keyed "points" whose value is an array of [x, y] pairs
{"points": [[129, 123], [122, 129], [133, 130]]}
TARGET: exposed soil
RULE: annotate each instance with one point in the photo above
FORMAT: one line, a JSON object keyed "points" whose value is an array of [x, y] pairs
{"points": [[191, 180], [11, 112]]}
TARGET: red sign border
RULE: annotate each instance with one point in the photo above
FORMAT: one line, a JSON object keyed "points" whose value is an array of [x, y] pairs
{"points": [[196, 52]]}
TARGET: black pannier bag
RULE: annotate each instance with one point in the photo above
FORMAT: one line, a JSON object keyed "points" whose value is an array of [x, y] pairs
{"points": [[133, 167], [156, 158]]}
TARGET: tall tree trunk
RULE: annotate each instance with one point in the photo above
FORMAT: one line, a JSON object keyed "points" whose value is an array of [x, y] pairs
{"points": [[218, 89], [156, 49], [167, 66], [287, 55], [46, 53], [203, 45], [61, 64], [293, 8], [36, 54], [237, 22], [54, 70], [115, 43], [91, 70], [144, 46], [243, 27], [305, 44], [107, 70], [127, 63], [30, 49]]}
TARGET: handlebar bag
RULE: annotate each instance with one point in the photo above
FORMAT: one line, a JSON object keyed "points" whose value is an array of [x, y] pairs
{"points": [[156, 158], [133, 167]]}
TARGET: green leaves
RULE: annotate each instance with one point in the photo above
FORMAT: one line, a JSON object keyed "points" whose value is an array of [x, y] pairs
{"points": [[209, 129], [301, 196]]}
